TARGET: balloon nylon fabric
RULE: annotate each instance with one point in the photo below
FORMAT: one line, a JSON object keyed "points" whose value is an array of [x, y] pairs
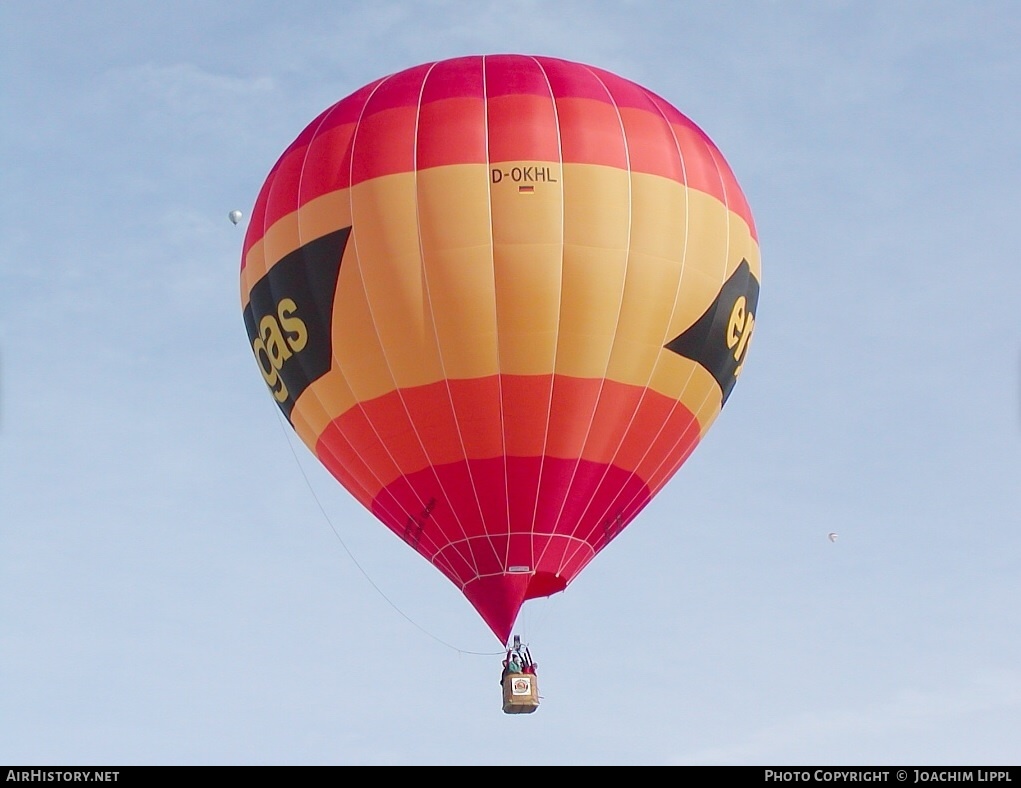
{"points": [[501, 298]]}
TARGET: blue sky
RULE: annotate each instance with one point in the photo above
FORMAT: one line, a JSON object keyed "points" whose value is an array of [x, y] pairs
{"points": [[181, 584]]}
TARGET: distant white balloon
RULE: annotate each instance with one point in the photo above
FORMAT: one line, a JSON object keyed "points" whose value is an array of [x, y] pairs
{"points": [[833, 537], [235, 216]]}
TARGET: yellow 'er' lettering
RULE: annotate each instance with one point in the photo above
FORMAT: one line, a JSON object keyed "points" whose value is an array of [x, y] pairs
{"points": [[736, 322], [739, 331]]}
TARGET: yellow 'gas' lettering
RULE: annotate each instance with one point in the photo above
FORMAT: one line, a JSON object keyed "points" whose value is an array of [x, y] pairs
{"points": [[297, 333], [276, 345], [269, 371], [739, 331], [278, 340]]}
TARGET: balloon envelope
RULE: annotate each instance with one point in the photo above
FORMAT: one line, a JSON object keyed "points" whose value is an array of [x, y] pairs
{"points": [[234, 216], [501, 298]]}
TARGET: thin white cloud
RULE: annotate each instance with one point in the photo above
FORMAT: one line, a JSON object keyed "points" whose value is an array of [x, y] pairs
{"points": [[183, 83]]}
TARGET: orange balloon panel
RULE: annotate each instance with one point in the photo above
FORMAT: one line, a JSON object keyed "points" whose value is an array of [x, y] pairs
{"points": [[501, 298]]}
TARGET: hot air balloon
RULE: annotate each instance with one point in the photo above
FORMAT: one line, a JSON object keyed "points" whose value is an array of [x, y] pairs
{"points": [[501, 298], [234, 216]]}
